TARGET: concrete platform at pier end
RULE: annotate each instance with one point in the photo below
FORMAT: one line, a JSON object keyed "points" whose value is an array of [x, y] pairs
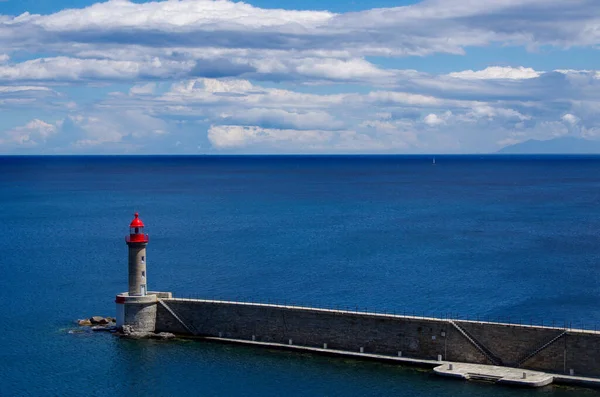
{"points": [[492, 373]]}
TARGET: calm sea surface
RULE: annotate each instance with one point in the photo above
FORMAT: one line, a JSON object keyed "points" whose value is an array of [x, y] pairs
{"points": [[510, 238]]}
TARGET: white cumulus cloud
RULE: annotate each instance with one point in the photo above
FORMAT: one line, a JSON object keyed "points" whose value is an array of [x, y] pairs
{"points": [[143, 89], [497, 72], [433, 119], [235, 136], [31, 134], [570, 119], [66, 68]]}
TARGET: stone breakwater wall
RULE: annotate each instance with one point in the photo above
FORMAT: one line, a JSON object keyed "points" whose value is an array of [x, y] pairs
{"points": [[547, 349]]}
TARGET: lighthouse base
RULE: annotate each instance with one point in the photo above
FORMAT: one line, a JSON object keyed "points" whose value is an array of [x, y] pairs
{"points": [[138, 312]]}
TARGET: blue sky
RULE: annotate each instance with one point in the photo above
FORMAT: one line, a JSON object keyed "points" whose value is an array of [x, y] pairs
{"points": [[218, 77]]}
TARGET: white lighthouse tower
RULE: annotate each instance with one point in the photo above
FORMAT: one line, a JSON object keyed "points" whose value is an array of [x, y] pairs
{"points": [[137, 242], [137, 306]]}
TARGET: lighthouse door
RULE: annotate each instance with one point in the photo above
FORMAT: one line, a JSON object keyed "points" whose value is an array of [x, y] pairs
{"points": [[143, 289]]}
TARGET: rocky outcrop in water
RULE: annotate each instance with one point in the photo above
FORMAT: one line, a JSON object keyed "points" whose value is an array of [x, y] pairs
{"points": [[108, 324], [99, 323], [98, 320]]}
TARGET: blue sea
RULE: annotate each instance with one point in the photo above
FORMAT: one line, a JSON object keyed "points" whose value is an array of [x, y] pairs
{"points": [[491, 237]]}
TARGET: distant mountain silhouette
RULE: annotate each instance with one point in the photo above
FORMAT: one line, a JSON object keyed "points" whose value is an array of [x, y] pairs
{"points": [[564, 145]]}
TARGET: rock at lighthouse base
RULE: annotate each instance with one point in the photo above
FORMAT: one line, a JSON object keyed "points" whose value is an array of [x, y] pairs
{"points": [[164, 336], [127, 331]]}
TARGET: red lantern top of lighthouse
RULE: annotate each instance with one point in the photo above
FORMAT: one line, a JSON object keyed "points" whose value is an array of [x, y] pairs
{"points": [[136, 231], [136, 222]]}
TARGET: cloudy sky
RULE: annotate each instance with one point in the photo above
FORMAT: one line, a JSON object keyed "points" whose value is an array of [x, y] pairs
{"points": [[318, 76]]}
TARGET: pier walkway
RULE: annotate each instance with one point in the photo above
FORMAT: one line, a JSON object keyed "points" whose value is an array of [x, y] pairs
{"points": [[478, 372]]}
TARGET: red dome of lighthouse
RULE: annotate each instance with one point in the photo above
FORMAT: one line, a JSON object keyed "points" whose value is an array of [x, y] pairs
{"points": [[136, 222]]}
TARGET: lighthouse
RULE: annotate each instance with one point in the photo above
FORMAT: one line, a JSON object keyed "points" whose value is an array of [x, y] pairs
{"points": [[137, 242], [137, 307]]}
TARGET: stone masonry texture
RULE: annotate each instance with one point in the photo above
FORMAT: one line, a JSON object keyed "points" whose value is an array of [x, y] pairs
{"points": [[386, 334], [142, 315]]}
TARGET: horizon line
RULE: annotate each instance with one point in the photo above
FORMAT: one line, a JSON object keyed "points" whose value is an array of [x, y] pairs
{"points": [[307, 155]]}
